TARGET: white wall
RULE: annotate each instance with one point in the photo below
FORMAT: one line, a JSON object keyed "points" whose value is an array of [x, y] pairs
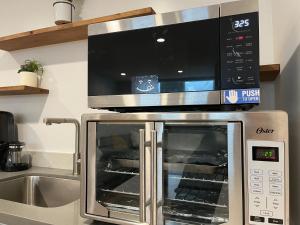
{"points": [[66, 67], [287, 88]]}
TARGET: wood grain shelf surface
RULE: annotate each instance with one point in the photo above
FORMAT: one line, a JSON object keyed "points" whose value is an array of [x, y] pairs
{"points": [[62, 33], [22, 90], [269, 72]]}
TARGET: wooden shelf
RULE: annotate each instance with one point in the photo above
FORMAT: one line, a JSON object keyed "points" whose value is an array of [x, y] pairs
{"points": [[269, 72], [62, 33], [22, 90]]}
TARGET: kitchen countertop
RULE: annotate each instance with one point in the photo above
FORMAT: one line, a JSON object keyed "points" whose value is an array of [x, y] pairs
{"points": [[13, 213]]}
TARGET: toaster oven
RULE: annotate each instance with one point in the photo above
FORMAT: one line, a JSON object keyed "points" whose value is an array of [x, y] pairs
{"points": [[185, 168], [183, 60]]}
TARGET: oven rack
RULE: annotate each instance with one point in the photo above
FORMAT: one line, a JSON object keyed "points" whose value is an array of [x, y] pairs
{"points": [[174, 167], [202, 197], [123, 170], [132, 171], [169, 199], [183, 159], [119, 206], [197, 202], [213, 157], [179, 177], [119, 192]]}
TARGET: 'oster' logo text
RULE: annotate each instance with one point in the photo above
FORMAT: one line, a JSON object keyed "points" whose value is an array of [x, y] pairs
{"points": [[261, 130]]}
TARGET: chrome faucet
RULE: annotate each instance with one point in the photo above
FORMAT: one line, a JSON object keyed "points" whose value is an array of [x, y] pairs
{"points": [[76, 155]]}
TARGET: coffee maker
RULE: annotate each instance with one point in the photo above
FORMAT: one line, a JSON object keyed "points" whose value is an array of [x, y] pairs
{"points": [[10, 146]]}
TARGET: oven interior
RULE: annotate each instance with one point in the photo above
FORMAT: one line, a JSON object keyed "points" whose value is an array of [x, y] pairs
{"points": [[195, 176]]}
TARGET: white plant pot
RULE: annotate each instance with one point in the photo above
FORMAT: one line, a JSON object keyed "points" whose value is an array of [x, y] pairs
{"points": [[63, 11], [28, 79]]}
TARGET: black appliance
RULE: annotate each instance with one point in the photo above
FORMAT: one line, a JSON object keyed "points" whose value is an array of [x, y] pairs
{"points": [[7, 127], [182, 60], [10, 147], [3, 148]]}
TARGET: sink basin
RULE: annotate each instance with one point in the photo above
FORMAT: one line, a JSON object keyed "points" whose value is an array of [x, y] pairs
{"points": [[40, 191]]}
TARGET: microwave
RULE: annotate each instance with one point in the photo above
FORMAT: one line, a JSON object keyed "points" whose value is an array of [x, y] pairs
{"points": [[196, 168], [206, 56]]}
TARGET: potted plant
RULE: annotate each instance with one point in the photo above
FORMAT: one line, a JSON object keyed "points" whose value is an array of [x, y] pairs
{"points": [[30, 72], [63, 11]]}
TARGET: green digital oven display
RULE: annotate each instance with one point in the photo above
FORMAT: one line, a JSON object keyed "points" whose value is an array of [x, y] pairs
{"points": [[270, 154]]}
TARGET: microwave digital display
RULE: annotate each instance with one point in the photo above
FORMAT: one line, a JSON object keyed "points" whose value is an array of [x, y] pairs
{"points": [[265, 154], [241, 23]]}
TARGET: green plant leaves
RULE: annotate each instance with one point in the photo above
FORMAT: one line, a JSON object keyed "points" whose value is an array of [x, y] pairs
{"points": [[32, 66]]}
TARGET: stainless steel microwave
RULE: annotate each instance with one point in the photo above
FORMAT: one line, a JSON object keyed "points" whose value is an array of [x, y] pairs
{"points": [[186, 168], [190, 58]]}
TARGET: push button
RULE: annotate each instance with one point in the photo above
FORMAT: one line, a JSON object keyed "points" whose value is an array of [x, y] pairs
{"points": [[256, 191], [257, 202], [275, 173], [275, 187], [266, 213], [275, 205], [257, 219], [256, 178], [256, 185], [275, 179], [257, 172], [275, 221], [275, 192]]}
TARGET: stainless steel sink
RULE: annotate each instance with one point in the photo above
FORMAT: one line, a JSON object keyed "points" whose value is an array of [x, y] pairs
{"points": [[42, 191]]}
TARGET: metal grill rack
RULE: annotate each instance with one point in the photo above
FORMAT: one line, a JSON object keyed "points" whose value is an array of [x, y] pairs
{"points": [[124, 170], [120, 192], [215, 178]]}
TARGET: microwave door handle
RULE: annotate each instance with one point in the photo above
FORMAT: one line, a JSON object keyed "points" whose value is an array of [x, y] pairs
{"points": [[142, 176], [154, 177]]}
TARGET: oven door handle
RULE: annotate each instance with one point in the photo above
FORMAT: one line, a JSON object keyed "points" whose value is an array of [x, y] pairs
{"points": [[154, 177], [142, 177]]}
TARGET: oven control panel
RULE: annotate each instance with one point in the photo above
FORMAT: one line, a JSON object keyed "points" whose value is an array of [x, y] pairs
{"points": [[266, 182], [240, 51]]}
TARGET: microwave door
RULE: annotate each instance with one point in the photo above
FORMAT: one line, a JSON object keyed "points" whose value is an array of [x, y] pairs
{"points": [[174, 60], [118, 184], [199, 174]]}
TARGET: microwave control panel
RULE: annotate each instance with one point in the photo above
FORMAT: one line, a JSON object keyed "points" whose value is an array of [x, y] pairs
{"points": [[239, 51], [266, 182]]}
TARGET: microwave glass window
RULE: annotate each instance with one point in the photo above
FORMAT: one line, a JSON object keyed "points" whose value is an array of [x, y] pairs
{"points": [[265, 154], [165, 59], [196, 174], [117, 166]]}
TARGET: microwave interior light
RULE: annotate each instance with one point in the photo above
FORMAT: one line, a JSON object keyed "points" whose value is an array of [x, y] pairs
{"points": [[160, 40], [180, 71]]}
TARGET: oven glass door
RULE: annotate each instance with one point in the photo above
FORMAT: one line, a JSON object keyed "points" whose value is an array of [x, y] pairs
{"points": [[117, 156], [199, 174]]}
